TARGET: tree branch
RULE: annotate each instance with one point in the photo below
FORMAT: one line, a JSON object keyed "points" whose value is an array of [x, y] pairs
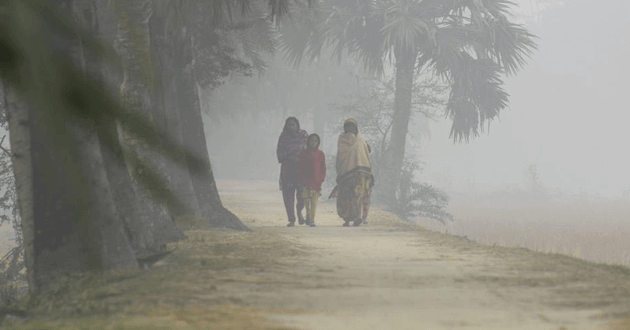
{"points": [[3, 149]]}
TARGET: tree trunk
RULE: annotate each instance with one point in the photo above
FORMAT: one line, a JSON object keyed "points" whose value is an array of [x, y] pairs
{"points": [[105, 224], [395, 153], [166, 108], [69, 218], [20, 140], [194, 138], [320, 111], [133, 39], [147, 229]]}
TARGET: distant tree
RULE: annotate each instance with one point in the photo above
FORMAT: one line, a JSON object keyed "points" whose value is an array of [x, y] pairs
{"points": [[371, 104], [532, 180]]}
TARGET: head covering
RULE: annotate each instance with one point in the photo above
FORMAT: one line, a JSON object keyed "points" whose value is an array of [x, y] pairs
{"points": [[352, 154], [290, 144], [286, 124], [318, 140], [353, 122]]}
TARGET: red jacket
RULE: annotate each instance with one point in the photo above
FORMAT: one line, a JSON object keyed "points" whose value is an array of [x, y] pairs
{"points": [[312, 168]]}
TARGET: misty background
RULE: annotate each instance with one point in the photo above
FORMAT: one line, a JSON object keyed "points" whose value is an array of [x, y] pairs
{"points": [[563, 135], [568, 109], [566, 121]]}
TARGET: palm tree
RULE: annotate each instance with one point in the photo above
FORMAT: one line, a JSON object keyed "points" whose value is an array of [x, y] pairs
{"points": [[469, 43]]}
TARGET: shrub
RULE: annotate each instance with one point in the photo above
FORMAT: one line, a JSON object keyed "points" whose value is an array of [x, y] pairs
{"points": [[415, 199]]}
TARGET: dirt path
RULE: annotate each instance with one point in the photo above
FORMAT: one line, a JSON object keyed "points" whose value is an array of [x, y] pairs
{"points": [[390, 275]]}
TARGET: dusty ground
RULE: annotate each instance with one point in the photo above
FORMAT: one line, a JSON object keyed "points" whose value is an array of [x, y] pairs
{"points": [[389, 275]]}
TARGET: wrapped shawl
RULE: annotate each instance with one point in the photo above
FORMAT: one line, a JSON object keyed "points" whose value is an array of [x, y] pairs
{"points": [[352, 153], [291, 144]]}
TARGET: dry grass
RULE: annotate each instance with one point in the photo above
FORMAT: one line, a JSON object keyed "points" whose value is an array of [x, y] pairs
{"points": [[211, 280], [620, 325], [186, 290], [220, 318], [591, 230]]}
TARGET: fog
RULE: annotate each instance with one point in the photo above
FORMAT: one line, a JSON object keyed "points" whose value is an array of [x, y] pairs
{"points": [[567, 115], [568, 109]]}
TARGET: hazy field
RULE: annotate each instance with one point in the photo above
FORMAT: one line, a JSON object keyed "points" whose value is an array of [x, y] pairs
{"points": [[596, 230], [588, 228]]}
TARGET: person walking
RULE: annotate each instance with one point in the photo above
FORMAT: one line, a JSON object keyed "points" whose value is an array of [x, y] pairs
{"points": [[291, 142], [354, 175], [312, 172]]}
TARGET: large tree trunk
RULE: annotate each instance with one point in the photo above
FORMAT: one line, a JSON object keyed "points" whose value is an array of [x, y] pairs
{"points": [[147, 228], [166, 108], [194, 138], [155, 227], [69, 218], [69, 222], [395, 154]]}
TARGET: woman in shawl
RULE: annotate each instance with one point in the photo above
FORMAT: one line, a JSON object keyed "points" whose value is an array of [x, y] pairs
{"points": [[291, 142], [354, 175]]}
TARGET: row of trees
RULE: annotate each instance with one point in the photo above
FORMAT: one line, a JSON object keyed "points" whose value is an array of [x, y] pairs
{"points": [[99, 106], [96, 143]]}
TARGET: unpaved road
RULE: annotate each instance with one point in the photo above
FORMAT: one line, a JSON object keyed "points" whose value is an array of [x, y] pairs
{"points": [[390, 275]]}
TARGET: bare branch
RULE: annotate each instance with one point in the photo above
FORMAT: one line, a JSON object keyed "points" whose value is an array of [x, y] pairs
{"points": [[3, 149]]}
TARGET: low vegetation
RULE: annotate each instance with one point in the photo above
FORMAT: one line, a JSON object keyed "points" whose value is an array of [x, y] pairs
{"points": [[184, 290]]}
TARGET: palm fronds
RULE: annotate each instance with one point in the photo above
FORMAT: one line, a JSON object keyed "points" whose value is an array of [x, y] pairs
{"points": [[476, 96], [441, 32]]}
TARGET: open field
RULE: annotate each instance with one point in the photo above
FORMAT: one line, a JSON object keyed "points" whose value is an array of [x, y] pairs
{"points": [[591, 229]]}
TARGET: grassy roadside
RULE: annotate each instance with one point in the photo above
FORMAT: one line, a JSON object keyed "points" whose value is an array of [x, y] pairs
{"points": [[189, 289]]}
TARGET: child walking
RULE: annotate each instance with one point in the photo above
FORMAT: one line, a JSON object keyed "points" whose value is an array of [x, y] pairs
{"points": [[312, 172]]}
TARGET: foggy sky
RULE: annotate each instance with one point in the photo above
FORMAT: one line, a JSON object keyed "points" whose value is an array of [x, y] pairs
{"points": [[568, 111]]}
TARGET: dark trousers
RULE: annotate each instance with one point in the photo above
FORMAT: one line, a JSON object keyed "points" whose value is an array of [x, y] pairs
{"points": [[289, 196]]}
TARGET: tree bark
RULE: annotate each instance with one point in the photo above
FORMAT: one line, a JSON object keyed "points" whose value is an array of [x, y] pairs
{"points": [[20, 141], [105, 224], [395, 154], [166, 108], [194, 138], [147, 229], [69, 220]]}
